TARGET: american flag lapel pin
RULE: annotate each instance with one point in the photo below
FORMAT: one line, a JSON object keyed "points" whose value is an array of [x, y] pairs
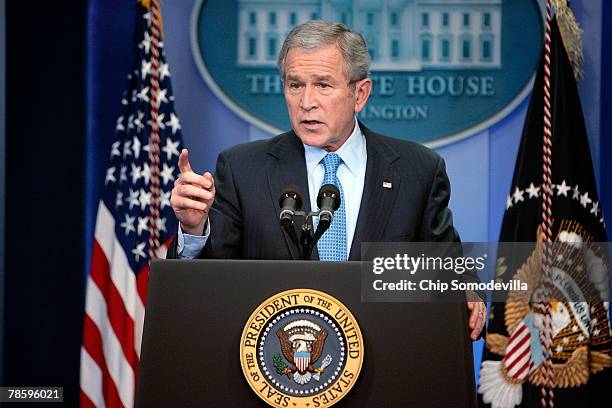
{"points": [[387, 184]]}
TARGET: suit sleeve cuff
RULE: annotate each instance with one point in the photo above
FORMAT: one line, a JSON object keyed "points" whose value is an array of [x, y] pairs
{"points": [[189, 246]]}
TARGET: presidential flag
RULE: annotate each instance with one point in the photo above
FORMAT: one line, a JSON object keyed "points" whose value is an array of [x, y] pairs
{"points": [[513, 370], [134, 221]]}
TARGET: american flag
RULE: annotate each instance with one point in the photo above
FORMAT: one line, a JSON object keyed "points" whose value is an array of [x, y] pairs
{"points": [[131, 212]]}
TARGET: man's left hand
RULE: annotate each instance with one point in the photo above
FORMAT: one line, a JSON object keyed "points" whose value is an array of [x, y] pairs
{"points": [[478, 311]]}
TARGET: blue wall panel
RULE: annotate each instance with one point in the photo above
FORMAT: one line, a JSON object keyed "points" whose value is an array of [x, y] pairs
{"points": [[208, 126], [588, 15], [470, 185], [504, 143]]}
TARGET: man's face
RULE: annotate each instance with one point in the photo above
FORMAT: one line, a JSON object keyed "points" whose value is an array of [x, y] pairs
{"points": [[320, 100]]}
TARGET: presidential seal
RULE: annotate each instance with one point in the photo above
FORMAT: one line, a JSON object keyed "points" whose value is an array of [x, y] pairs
{"points": [[301, 348]]}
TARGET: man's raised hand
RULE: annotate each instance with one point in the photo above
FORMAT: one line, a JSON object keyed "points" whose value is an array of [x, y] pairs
{"points": [[192, 197]]}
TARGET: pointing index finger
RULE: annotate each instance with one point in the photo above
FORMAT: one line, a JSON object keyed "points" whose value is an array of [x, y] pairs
{"points": [[183, 161]]}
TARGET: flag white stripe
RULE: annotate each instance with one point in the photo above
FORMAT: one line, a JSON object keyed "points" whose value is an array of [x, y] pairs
{"points": [[91, 379], [121, 273], [118, 367]]}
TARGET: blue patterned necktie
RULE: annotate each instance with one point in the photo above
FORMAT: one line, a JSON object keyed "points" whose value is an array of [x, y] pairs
{"points": [[332, 245]]}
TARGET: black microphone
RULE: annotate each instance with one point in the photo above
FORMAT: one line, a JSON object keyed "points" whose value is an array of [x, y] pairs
{"points": [[290, 201], [328, 201]]}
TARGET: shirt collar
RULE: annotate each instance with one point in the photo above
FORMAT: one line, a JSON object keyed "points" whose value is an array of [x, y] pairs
{"points": [[351, 152]]}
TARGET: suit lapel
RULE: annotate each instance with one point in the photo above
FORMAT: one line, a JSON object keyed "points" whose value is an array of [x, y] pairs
{"points": [[378, 199], [287, 166]]}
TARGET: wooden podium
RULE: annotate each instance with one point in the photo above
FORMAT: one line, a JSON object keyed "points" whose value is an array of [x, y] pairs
{"points": [[416, 354]]}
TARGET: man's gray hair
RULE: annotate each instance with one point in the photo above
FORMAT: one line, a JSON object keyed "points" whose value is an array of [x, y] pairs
{"points": [[316, 34]]}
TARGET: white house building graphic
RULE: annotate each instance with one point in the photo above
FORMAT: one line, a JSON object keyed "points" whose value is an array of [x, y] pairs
{"points": [[402, 35]]}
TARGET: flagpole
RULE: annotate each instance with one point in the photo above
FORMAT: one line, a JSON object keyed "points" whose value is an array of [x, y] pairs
{"points": [[154, 138], [547, 392]]}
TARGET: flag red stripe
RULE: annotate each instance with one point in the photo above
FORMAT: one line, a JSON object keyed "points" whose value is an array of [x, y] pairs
{"points": [[142, 282], [120, 320], [92, 342]]}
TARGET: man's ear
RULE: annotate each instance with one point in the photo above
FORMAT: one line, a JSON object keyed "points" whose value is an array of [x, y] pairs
{"points": [[363, 89]]}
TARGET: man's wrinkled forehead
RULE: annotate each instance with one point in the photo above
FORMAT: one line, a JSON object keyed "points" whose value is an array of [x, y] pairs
{"points": [[335, 46]]}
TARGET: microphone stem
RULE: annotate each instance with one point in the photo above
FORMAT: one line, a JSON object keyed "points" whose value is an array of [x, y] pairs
{"points": [[306, 242]]}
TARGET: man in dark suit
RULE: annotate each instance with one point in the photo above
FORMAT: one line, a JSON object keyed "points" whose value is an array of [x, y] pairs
{"points": [[391, 190]]}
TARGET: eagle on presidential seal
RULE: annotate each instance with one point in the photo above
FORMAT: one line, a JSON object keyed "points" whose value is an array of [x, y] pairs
{"points": [[301, 342]]}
